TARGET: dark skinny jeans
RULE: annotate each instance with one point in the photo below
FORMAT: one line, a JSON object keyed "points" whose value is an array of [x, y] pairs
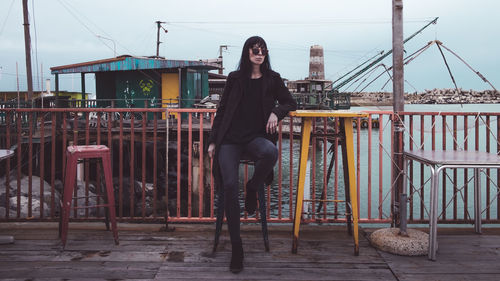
{"points": [[259, 150]]}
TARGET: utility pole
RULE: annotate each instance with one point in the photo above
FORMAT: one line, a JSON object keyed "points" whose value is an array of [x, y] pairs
{"points": [[399, 199], [158, 24], [27, 47], [220, 57]]}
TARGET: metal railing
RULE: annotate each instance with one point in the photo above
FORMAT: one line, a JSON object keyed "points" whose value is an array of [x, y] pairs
{"points": [[161, 168]]}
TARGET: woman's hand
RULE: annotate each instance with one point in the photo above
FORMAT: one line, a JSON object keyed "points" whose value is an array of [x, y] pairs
{"points": [[211, 150], [272, 123]]}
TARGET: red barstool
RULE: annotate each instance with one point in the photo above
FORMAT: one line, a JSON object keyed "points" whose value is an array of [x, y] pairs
{"points": [[73, 153]]}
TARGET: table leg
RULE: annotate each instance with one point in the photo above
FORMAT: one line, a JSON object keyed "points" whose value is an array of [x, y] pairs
{"points": [[402, 204], [304, 150], [351, 179], [433, 215], [477, 201]]}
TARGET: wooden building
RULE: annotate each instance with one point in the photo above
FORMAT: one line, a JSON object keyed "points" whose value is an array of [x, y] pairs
{"points": [[132, 80]]}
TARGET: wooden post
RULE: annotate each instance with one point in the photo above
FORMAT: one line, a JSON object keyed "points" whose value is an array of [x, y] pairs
{"points": [[398, 106], [83, 89], [27, 47]]}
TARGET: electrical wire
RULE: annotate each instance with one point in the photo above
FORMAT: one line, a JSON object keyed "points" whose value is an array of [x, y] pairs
{"points": [[7, 17], [35, 50], [84, 25], [316, 22], [98, 27]]}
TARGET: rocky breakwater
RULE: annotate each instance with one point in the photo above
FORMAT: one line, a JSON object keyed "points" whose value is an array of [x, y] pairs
{"points": [[453, 96], [435, 96]]}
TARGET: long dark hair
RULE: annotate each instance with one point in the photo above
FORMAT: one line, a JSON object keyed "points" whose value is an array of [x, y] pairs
{"points": [[245, 65]]}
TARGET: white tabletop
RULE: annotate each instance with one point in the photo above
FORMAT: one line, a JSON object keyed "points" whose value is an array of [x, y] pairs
{"points": [[454, 157]]}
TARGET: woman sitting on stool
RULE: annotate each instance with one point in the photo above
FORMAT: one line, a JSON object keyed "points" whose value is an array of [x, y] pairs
{"points": [[246, 125]]}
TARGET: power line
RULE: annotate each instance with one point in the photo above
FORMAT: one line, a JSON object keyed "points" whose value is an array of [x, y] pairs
{"points": [[326, 21], [7, 17], [36, 45], [99, 28], [84, 25]]}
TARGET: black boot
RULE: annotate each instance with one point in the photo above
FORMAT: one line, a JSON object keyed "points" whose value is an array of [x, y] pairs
{"points": [[236, 258]]}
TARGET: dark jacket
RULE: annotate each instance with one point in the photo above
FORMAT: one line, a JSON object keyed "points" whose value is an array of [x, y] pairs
{"points": [[273, 90]]}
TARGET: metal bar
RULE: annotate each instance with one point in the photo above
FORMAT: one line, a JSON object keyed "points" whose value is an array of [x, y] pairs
{"points": [[167, 152], [422, 193], [143, 168], [325, 161], [87, 179], [120, 168], [498, 170], [466, 141], [155, 163], [394, 215], [433, 215], [64, 144], [380, 167], [30, 164], [433, 132], [410, 175], [291, 168], [336, 166], [477, 201], [369, 175], [358, 164], [8, 128], [487, 133], [132, 165], [178, 165], [245, 180], [201, 169], [312, 183], [455, 177], [75, 142], [190, 165], [280, 169], [476, 131], [443, 197], [98, 167], [212, 185], [42, 164], [19, 157]]}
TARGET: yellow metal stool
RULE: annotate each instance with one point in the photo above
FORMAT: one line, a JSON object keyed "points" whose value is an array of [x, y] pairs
{"points": [[346, 131]]}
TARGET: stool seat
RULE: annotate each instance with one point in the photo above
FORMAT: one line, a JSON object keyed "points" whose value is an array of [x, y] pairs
{"points": [[73, 153], [87, 148]]}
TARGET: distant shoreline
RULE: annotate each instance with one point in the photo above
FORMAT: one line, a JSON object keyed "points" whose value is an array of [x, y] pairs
{"points": [[435, 96]]}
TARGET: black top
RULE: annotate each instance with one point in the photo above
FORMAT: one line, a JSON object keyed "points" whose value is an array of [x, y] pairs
{"points": [[248, 122]]}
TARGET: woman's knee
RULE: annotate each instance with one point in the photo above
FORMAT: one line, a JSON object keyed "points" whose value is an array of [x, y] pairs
{"points": [[270, 152]]}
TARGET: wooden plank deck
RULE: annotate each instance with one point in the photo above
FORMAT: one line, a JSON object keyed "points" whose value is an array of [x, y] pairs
{"points": [[148, 253]]}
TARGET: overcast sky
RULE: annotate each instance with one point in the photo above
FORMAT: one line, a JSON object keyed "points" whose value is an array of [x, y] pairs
{"points": [[350, 31]]}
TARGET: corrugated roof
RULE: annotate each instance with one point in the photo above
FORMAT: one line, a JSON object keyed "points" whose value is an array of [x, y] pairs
{"points": [[125, 63]]}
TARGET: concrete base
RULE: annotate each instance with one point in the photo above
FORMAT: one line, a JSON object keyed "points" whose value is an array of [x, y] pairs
{"points": [[6, 239], [389, 240]]}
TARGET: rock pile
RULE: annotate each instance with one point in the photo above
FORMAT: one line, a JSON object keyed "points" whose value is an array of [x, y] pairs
{"points": [[452, 96], [434, 96]]}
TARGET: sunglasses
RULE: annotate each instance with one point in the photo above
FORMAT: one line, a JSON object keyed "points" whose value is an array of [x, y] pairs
{"points": [[256, 51]]}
